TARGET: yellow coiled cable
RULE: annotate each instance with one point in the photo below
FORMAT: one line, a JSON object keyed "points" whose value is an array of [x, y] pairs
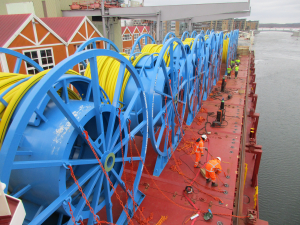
{"points": [[225, 50], [108, 70], [15, 95], [154, 48], [189, 42]]}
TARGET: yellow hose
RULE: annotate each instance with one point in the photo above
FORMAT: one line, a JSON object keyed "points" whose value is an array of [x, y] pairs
{"points": [[15, 95], [225, 50], [154, 48], [189, 42], [108, 70]]}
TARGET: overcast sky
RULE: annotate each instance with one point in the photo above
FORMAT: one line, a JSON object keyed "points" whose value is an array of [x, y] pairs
{"points": [[266, 11]]}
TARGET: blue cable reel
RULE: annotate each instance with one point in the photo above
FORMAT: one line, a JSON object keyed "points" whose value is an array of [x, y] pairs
{"points": [[176, 93], [196, 60], [34, 156], [164, 82]]}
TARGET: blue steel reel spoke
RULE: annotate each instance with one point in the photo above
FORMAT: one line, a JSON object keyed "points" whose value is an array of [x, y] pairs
{"points": [[34, 99], [69, 115], [96, 94], [126, 114], [96, 196], [40, 218], [108, 203], [139, 127], [88, 191], [115, 103]]}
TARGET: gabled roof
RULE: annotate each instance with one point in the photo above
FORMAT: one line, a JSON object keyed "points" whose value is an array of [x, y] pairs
{"points": [[9, 24], [123, 29], [141, 28], [65, 27], [132, 29]]}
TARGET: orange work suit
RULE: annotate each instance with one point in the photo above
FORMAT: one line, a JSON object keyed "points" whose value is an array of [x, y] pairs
{"points": [[212, 167], [198, 148]]}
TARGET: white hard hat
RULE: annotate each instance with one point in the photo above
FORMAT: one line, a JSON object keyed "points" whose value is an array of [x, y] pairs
{"points": [[204, 136], [219, 158]]}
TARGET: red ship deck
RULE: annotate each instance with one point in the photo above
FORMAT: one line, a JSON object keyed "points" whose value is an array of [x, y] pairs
{"points": [[164, 194], [224, 142]]}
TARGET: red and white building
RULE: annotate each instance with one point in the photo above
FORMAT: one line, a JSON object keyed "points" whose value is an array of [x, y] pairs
{"points": [[130, 34], [47, 40]]}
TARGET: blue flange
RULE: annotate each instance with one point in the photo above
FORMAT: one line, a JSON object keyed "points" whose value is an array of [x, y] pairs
{"points": [[185, 35], [168, 36], [138, 43], [197, 78], [33, 160], [194, 34]]}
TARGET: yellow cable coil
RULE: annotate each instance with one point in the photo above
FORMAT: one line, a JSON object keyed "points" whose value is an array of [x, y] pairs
{"points": [[108, 70], [245, 174], [154, 48], [189, 42], [225, 50], [15, 95], [255, 196]]}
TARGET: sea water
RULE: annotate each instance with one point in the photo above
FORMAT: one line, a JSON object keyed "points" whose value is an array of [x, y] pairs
{"points": [[277, 66]]}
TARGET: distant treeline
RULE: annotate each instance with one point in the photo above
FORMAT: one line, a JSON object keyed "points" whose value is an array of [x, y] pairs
{"points": [[274, 25]]}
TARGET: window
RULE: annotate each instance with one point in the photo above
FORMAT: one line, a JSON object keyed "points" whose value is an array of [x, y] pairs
{"points": [[136, 36], [81, 67], [127, 51], [126, 37], [43, 57], [143, 40]]}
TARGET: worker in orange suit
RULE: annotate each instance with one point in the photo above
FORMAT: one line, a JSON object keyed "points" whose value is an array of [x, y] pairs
{"points": [[212, 168], [198, 149]]}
